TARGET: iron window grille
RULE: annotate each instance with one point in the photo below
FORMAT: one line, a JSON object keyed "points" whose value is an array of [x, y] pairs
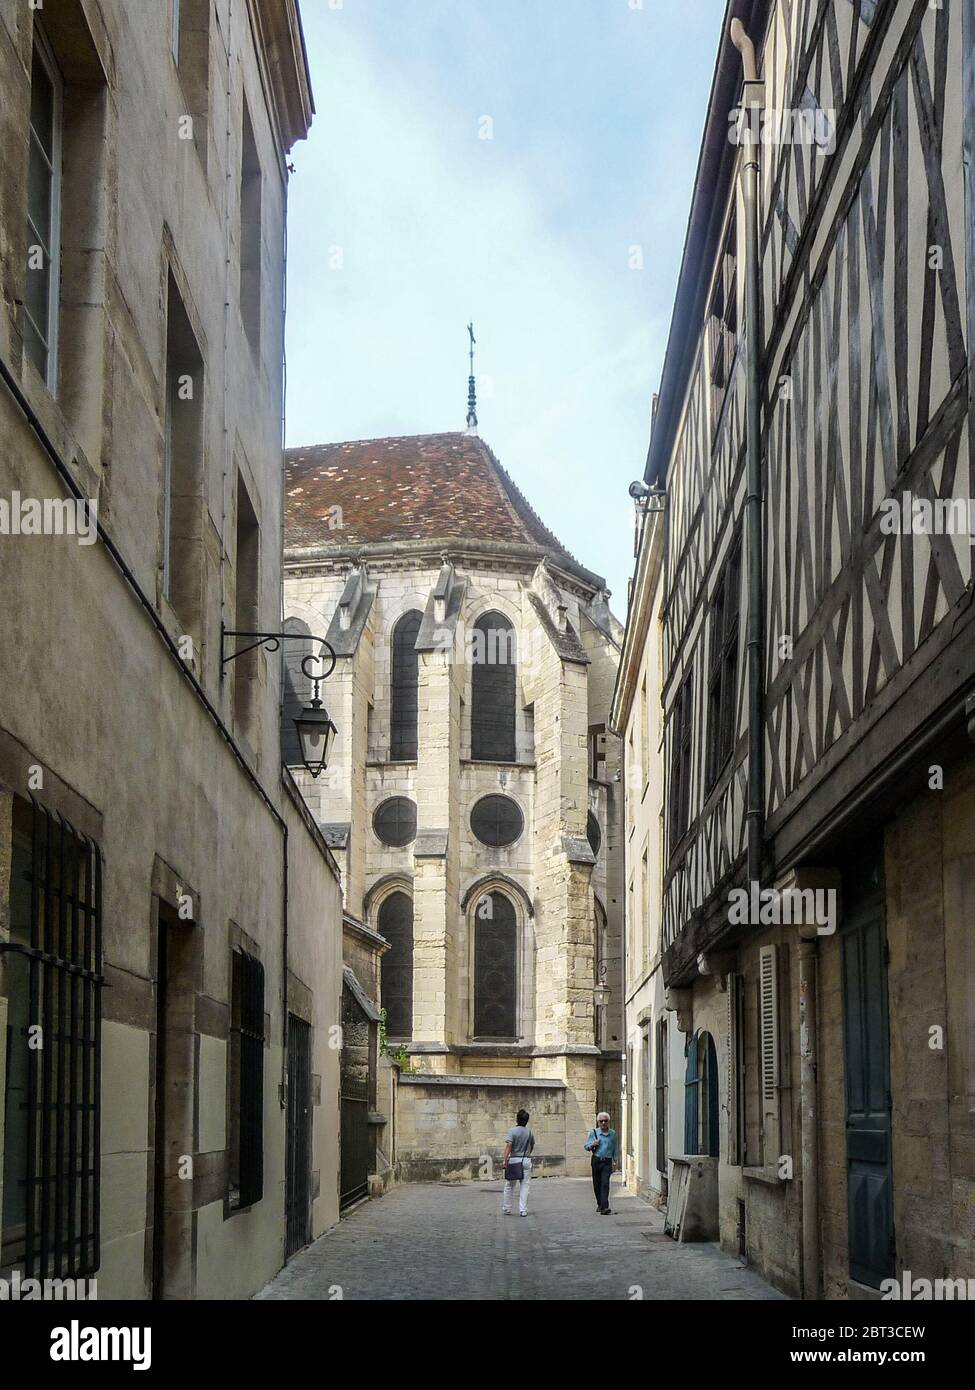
{"points": [[52, 1134], [723, 665], [497, 821], [395, 822], [247, 1053]]}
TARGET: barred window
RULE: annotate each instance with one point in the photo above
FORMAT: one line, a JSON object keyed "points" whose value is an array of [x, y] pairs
{"points": [[404, 694], [497, 821], [53, 967], [246, 1167], [395, 821]]}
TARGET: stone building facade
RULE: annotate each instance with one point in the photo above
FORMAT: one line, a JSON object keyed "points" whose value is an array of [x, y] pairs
{"points": [[653, 1113], [170, 915], [473, 798]]}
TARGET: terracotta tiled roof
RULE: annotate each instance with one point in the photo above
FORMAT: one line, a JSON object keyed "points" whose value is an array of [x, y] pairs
{"points": [[424, 487]]}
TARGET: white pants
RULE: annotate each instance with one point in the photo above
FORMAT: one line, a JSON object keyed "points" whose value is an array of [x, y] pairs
{"points": [[526, 1170]]}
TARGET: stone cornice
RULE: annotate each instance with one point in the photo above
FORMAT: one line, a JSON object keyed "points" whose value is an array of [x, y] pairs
{"points": [[276, 26]]}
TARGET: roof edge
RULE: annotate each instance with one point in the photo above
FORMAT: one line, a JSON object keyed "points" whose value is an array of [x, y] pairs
{"points": [[709, 200]]}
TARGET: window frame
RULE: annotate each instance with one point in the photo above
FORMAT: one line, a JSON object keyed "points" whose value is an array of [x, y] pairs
{"points": [[724, 622], [499, 803], [245, 1053], [395, 1034], [723, 323], [404, 689], [681, 763], [64, 964], [41, 45], [487, 725], [395, 806], [515, 1001]]}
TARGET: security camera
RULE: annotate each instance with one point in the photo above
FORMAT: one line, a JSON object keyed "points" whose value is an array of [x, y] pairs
{"points": [[639, 490]]}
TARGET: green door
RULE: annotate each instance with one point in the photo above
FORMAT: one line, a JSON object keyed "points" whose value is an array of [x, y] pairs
{"points": [[867, 1064]]}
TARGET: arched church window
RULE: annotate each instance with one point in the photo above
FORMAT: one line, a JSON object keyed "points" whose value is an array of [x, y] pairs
{"points": [[395, 923], [497, 821], [593, 834], [404, 698], [701, 1096], [495, 973], [493, 690]]}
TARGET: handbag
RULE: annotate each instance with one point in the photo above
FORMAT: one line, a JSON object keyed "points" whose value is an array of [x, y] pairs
{"points": [[514, 1169]]}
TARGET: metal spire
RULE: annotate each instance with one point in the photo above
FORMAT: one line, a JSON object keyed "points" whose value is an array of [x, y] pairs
{"points": [[471, 390]]}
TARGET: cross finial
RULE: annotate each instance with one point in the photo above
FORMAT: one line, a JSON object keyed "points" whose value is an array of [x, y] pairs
{"points": [[471, 389]]}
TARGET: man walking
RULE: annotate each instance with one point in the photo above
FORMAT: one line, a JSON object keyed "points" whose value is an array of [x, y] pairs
{"points": [[601, 1143]]}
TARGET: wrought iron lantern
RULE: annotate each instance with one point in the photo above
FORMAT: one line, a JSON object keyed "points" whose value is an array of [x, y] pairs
{"points": [[316, 731]]}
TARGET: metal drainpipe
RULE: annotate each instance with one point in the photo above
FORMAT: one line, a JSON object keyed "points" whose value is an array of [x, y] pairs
{"points": [[809, 1116], [755, 814]]}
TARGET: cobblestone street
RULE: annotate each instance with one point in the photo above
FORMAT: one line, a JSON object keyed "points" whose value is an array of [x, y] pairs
{"points": [[450, 1241]]}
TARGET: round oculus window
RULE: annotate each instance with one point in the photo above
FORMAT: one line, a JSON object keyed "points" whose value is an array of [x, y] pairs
{"points": [[395, 821], [593, 833], [497, 821]]}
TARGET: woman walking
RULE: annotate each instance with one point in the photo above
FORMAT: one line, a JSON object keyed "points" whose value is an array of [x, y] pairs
{"points": [[518, 1145]]}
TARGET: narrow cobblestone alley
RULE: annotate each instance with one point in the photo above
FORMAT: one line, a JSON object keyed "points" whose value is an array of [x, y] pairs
{"points": [[450, 1241]]}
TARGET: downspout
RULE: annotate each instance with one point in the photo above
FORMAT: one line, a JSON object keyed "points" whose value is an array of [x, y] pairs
{"points": [[753, 100]]}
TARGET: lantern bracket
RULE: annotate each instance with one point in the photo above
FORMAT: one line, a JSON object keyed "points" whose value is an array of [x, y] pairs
{"points": [[272, 641]]}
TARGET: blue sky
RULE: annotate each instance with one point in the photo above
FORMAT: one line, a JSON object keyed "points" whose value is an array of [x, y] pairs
{"points": [[405, 223]]}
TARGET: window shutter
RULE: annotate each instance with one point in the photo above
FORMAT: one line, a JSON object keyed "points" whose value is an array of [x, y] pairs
{"points": [[691, 1099], [769, 1006], [734, 1099]]}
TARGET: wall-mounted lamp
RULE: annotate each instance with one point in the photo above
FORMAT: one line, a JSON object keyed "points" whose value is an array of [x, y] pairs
{"points": [[316, 731], [653, 499]]}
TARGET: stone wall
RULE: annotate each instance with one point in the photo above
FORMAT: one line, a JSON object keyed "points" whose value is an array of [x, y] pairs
{"points": [[453, 1127], [94, 698], [930, 923]]}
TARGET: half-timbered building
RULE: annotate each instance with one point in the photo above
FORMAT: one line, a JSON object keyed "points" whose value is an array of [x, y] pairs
{"points": [[814, 440]]}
